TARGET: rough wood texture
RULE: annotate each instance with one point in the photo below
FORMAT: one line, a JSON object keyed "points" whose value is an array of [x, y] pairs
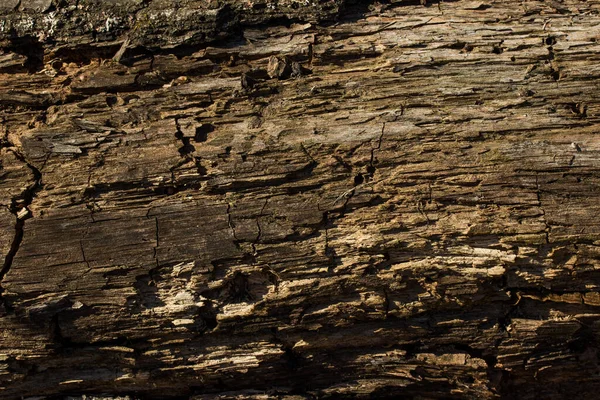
{"points": [[253, 199]]}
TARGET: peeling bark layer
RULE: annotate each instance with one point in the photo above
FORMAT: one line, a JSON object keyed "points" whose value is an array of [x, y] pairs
{"points": [[294, 200]]}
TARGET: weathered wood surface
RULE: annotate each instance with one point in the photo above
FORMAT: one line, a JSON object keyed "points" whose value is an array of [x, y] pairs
{"points": [[303, 199]]}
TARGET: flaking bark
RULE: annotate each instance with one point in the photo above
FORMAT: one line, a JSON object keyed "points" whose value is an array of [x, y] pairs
{"points": [[322, 199]]}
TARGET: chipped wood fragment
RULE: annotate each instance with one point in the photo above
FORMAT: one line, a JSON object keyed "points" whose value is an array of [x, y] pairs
{"points": [[372, 200]]}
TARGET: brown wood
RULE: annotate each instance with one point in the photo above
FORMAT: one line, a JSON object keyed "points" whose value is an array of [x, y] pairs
{"points": [[288, 199]]}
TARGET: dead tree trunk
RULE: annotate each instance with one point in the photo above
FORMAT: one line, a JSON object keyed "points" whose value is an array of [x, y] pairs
{"points": [[289, 199]]}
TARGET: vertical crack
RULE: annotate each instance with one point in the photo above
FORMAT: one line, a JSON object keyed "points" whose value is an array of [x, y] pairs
{"points": [[257, 238], [28, 196], [305, 151], [372, 168], [330, 252], [387, 303], [156, 224], [85, 260], [231, 225], [83, 250], [421, 205], [8, 260], [360, 180], [259, 234]]}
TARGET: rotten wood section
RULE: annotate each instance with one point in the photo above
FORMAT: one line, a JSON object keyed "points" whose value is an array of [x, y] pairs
{"points": [[318, 200]]}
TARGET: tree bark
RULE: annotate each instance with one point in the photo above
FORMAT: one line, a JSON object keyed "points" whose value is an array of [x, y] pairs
{"points": [[289, 199]]}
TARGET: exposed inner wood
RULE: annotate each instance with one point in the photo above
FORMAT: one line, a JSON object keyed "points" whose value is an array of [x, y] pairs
{"points": [[304, 199]]}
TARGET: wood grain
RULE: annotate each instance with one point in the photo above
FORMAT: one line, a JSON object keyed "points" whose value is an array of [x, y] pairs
{"points": [[294, 200]]}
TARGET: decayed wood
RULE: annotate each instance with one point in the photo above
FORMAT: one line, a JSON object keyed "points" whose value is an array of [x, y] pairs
{"points": [[294, 200]]}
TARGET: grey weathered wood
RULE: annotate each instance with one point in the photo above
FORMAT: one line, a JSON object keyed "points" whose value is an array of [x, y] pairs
{"points": [[374, 200]]}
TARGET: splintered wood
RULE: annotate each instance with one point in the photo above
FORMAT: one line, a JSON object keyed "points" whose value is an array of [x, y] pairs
{"points": [[371, 201]]}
